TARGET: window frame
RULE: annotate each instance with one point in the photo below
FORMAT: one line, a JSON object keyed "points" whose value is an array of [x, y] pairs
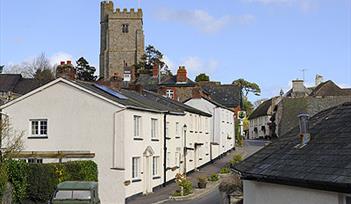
{"points": [[155, 162], [40, 127], [154, 128], [169, 93], [135, 168], [34, 160], [137, 125]]}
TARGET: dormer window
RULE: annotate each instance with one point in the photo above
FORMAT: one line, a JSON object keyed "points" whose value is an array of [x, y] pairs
{"points": [[125, 28]]}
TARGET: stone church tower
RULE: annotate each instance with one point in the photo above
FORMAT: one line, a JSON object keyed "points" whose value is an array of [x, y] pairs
{"points": [[121, 39]]}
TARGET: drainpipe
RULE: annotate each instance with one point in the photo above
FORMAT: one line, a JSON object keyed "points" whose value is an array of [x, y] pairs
{"points": [[164, 150], [185, 150], [213, 132]]}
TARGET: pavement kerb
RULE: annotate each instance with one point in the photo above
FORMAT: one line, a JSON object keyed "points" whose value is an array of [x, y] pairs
{"points": [[194, 195]]}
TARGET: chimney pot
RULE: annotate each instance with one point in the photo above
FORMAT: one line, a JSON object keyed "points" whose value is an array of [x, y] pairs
{"points": [[69, 62], [62, 62], [182, 74]]}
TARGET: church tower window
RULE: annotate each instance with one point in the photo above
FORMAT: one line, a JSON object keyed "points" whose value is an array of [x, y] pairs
{"points": [[125, 28]]}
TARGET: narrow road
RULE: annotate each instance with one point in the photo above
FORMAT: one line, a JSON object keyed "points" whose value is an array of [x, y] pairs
{"points": [[210, 198], [213, 197]]}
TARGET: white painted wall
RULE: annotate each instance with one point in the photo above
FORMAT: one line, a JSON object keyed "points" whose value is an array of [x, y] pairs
{"points": [[77, 121], [80, 121], [221, 125], [267, 193], [258, 123], [136, 148]]}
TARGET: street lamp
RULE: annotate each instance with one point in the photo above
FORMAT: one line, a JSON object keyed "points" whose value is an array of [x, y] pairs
{"points": [[184, 150]]}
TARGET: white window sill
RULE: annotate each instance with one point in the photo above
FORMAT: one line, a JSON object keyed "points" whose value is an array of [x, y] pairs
{"points": [[38, 137]]}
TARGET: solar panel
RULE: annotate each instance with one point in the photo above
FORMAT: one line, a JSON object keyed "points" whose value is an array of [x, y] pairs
{"points": [[110, 91]]}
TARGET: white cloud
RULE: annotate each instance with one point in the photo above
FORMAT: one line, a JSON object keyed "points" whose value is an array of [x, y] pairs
{"points": [[169, 63], [56, 58], [196, 65], [201, 19], [303, 5]]}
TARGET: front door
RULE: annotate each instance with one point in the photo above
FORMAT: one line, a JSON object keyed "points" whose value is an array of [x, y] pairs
{"points": [[147, 174], [148, 155]]}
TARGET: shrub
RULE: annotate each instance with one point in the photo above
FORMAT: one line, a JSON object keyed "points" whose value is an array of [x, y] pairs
{"points": [[18, 176], [202, 179], [82, 170], [185, 184], [42, 180], [213, 177], [236, 159], [224, 170]]}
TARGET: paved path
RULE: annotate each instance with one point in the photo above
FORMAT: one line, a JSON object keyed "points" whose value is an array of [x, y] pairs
{"points": [[164, 193], [250, 146]]}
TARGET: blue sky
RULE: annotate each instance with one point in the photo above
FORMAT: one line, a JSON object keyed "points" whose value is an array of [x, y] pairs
{"points": [[264, 41]]}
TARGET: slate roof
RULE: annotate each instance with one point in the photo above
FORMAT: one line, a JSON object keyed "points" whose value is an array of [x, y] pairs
{"points": [[324, 163], [261, 110], [227, 94], [130, 102], [145, 100], [17, 84], [211, 101], [172, 82], [173, 105]]}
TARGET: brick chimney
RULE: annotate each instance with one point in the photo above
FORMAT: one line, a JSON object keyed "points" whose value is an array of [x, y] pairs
{"points": [[66, 70], [155, 71], [181, 75]]}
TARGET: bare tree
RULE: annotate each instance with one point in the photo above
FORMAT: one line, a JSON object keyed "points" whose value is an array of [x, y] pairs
{"points": [[11, 141], [39, 68]]}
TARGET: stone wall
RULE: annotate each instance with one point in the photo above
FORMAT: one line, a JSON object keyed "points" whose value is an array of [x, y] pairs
{"points": [[117, 48]]}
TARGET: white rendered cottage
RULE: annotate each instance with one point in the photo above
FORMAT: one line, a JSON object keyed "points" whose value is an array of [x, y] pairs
{"points": [[221, 124], [67, 116], [127, 134], [187, 136]]}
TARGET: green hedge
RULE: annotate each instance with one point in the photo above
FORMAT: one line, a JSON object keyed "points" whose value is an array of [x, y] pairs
{"points": [[3, 178], [36, 182], [18, 177]]}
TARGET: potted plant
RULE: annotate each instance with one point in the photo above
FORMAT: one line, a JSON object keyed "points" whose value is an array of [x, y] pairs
{"points": [[202, 181]]}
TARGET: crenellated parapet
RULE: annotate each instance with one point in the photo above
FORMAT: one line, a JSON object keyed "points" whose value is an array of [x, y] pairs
{"points": [[108, 9]]}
